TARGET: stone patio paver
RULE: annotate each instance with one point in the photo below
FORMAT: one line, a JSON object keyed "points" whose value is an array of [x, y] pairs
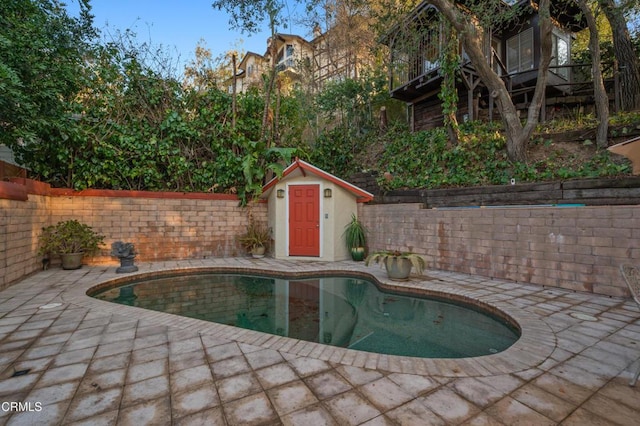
{"points": [[92, 362]]}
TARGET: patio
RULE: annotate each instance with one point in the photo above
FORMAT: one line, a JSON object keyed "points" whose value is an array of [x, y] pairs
{"points": [[92, 362]]}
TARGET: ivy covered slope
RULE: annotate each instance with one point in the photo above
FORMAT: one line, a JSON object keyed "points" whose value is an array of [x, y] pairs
{"points": [[428, 160]]}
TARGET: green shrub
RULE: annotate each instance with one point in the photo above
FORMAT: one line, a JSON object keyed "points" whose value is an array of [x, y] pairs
{"points": [[426, 160], [69, 236]]}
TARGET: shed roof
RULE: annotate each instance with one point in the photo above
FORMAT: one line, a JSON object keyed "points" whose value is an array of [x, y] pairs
{"points": [[302, 168], [6, 155]]}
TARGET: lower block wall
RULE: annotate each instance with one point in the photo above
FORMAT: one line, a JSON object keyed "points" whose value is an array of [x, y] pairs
{"points": [[161, 229], [578, 248], [21, 223], [171, 227]]}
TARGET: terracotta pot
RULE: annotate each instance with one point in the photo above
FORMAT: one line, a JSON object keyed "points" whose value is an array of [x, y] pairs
{"points": [[71, 260], [398, 269]]}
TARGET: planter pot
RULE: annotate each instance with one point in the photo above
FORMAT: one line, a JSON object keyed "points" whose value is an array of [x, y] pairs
{"points": [[126, 266], [398, 269], [258, 252], [71, 260], [357, 253]]}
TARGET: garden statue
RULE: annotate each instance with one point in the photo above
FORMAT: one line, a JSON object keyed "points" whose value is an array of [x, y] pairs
{"points": [[126, 253]]}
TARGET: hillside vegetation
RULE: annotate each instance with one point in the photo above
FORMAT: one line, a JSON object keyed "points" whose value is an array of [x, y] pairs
{"points": [[560, 150], [84, 112]]}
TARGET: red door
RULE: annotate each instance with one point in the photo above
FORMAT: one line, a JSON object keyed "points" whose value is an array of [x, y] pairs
{"points": [[304, 220]]}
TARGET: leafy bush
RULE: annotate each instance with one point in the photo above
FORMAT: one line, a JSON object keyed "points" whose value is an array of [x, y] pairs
{"points": [[333, 151], [425, 160], [69, 236]]}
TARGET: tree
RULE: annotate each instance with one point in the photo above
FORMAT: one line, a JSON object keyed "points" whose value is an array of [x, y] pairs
{"points": [[600, 93], [42, 69], [205, 72], [247, 16], [469, 27], [448, 95], [347, 44], [628, 66]]}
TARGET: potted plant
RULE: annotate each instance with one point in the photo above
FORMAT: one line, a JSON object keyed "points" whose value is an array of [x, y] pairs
{"points": [[356, 238], [256, 240], [71, 240], [398, 264]]}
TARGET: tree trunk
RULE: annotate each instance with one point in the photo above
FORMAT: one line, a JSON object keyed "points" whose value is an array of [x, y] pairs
{"points": [[276, 118], [600, 93], [273, 53], [234, 102], [449, 61], [267, 93], [517, 135], [233, 93], [629, 69], [383, 120]]}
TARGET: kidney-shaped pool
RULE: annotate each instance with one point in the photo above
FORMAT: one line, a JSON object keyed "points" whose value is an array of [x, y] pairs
{"points": [[349, 312]]}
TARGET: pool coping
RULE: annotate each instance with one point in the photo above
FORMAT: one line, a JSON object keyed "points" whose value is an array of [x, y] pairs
{"points": [[535, 345]]}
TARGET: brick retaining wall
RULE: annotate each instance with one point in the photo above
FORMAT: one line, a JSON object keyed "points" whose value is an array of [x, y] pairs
{"points": [[20, 225], [577, 248], [162, 226]]}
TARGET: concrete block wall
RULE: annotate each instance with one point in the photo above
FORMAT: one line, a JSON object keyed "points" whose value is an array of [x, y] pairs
{"points": [[21, 223], [578, 248], [161, 228]]}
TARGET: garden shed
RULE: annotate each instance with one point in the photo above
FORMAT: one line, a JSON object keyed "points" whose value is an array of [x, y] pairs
{"points": [[308, 209]]}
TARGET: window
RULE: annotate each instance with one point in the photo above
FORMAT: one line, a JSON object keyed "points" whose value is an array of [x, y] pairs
{"points": [[250, 70], [495, 60], [560, 54], [520, 52], [429, 48], [285, 56]]}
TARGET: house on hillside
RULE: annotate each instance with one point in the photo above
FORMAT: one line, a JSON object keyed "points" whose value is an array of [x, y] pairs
{"points": [[299, 61], [293, 61], [292, 52], [513, 50], [249, 72]]}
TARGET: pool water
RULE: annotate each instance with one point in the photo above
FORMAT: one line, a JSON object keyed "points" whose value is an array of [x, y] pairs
{"points": [[340, 311]]}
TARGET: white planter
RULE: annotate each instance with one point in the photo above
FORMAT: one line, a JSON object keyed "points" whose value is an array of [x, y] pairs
{"points": [[398, 268]]}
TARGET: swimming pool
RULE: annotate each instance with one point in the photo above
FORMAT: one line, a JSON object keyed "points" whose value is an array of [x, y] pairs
{"points": [[344, 311]]}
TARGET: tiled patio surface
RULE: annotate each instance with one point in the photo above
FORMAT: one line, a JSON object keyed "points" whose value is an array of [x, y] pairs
{"points": [[95, 363]]}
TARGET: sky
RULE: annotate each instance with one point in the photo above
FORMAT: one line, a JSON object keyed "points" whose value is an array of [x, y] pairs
{"points": [[177, 25]]}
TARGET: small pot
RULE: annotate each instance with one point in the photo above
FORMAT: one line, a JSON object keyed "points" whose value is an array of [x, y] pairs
{"points": [[71, 260], [258, 252], [398, 269], [126, 265], [357, 253]]}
